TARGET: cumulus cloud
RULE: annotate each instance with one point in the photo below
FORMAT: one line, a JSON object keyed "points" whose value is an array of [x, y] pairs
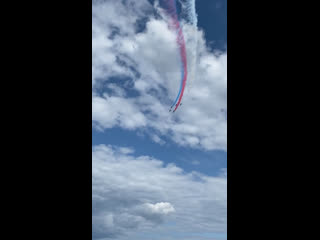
{"points": [[134, 195], [111, 111], [136, 76], [160, 208]]}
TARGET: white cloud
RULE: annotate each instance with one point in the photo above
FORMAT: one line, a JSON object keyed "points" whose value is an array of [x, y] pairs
{"points": [[150, 58], [108, 112], [141, 195], [157, 139], [160, 208]]}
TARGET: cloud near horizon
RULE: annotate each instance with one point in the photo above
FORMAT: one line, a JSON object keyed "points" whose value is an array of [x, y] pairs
{"points": [[140, 195]]}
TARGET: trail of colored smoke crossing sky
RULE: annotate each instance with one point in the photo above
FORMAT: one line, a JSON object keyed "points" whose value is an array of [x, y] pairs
{"points": [[188, 8], [171, 9]]}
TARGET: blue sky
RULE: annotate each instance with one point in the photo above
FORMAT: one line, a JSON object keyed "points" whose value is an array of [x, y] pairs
{"points": [[212, 17], [181, 158]]}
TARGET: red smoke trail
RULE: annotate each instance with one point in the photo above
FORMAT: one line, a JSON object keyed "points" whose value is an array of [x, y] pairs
{"points": [[172, 11], [184, 64]]}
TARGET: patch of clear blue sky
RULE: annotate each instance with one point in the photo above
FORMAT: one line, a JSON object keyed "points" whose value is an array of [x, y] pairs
{"points": [[212, 18]]}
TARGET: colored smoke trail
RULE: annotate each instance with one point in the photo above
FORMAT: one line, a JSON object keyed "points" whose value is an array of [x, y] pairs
{"points": [[188, 11], [181, 43], [170, 6], [184, 62], [181, 83]]}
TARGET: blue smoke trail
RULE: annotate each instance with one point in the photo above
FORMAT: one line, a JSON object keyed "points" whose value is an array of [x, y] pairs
{"points": [[181, 83], [189, 12]]}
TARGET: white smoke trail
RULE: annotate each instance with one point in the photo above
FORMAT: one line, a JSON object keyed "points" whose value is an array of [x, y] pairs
{"points": [[189, 10]]}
